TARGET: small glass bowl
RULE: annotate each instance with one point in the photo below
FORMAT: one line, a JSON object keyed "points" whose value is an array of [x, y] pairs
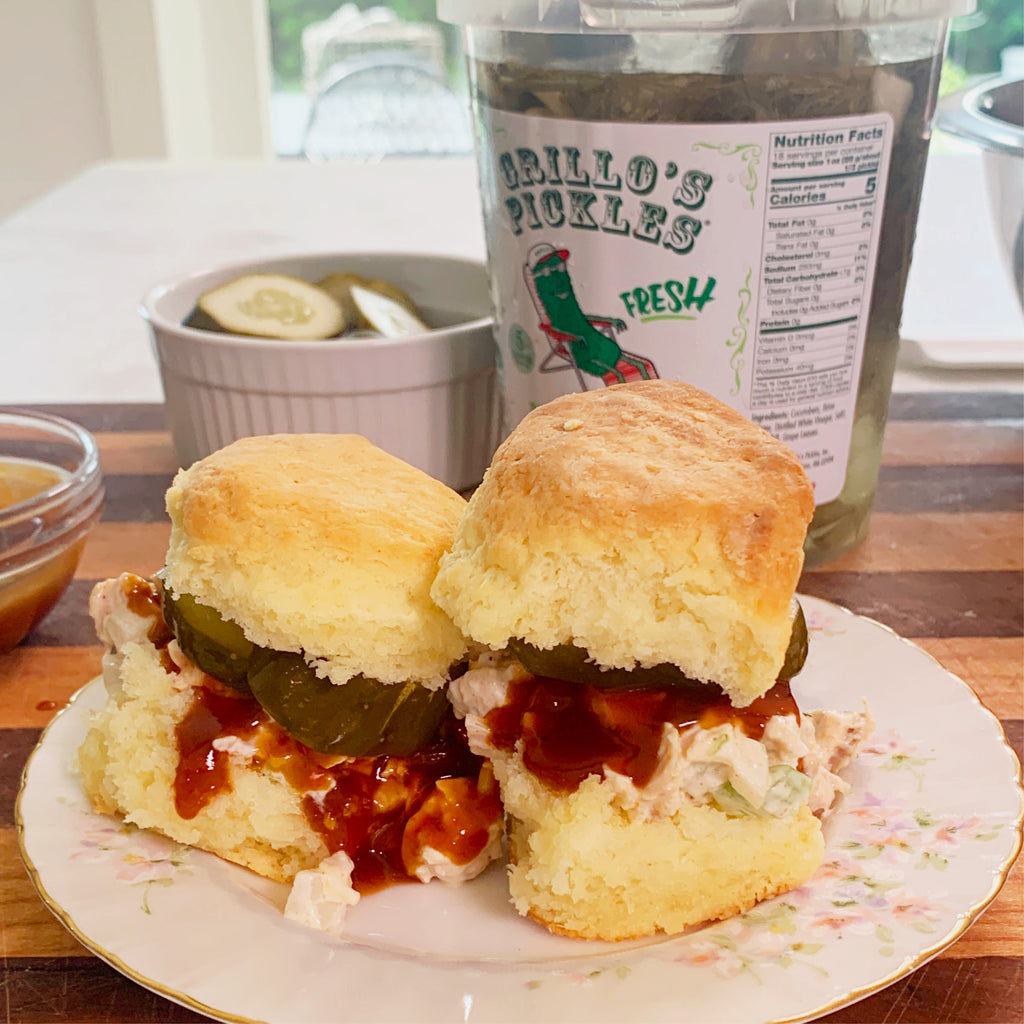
{"points": [[42, 533]]}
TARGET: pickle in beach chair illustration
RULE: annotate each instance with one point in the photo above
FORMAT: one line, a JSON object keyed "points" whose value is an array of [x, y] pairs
{"points": [[579, 341]]}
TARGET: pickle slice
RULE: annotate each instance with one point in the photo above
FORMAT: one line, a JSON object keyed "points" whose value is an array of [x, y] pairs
{"points": [[392, 319], [372, 304], [391, 291], [339, 286], [217, 645], [200, 321], [573, 664], [273, 306], [360, 718], [796, 652]]}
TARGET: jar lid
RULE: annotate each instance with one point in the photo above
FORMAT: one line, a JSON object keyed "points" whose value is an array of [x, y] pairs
{"points": [[625, 16]]}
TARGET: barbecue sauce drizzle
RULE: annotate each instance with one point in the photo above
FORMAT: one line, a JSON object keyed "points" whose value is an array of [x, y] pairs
{"points": [[571, 730], [142, 597], [382, 811]]}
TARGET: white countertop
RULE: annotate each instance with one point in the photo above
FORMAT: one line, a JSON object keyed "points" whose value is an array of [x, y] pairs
{"points": [[76, 262]]}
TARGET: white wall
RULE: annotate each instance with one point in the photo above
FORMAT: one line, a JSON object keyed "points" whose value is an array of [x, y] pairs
{"points": [[86, 80], [132, 96], [188, 78], [53, 120]]}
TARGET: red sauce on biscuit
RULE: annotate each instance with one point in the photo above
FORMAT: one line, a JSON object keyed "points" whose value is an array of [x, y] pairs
{"points": [[382, 811], [202, 770], [570, 730], [142, 596]]}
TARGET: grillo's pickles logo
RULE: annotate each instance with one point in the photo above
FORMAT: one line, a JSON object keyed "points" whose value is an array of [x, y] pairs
{"points": [[556, 187]]}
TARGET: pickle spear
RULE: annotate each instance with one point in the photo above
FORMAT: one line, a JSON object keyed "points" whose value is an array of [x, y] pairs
{"points": [[210, 641], [573, 664], [360, 718]]}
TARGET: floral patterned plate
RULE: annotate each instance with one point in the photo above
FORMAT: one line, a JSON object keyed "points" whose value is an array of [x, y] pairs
{"points": [[918, 849]]}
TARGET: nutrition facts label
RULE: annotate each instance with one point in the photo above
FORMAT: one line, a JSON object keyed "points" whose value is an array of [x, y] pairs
{"points": [[738, 257], [822, 209]]}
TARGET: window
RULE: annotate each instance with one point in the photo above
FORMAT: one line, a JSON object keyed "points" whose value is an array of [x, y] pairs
{"points": [[365, 80], [389, 78], [989, 41]]}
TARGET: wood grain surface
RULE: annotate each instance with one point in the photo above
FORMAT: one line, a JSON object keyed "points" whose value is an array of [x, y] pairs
{"points": [[942, 566]]}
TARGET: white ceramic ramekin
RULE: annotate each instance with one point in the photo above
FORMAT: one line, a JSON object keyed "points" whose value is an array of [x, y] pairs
{"points": [[431, 399]]}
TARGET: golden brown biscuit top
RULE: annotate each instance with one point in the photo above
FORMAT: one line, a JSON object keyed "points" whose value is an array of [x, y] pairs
{"points": [[641, 445], [322, 544], [649, 454], [264, 495]]}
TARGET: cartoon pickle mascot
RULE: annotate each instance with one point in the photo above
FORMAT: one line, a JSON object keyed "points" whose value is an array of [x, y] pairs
{"points": [[590, 339]]}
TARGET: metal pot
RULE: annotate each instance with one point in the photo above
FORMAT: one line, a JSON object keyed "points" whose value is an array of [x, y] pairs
{"points": [[991, 115]]}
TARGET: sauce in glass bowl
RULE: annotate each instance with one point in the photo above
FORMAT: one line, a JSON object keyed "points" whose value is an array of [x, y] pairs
{"points": [[51, 494], [21, 479]]}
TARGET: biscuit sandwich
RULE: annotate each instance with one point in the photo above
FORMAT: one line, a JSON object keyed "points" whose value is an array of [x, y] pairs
{"points": [[278, 690], [629, 565]]}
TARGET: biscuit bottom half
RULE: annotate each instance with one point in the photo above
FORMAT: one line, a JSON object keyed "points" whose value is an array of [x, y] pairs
{"points": [[210, 769], [585, 868], [128, 763]]}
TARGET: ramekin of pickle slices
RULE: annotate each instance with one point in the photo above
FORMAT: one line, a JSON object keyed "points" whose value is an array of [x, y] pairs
{"points": [[341, 305], [397, 347]]}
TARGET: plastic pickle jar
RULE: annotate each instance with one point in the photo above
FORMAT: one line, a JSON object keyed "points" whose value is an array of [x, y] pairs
{"points": [[724, 192]]}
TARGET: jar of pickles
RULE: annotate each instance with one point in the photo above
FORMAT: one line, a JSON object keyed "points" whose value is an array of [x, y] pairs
{"points": [[724, 193]]}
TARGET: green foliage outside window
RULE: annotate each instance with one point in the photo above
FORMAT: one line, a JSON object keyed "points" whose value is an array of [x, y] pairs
{"points": [[977, 40], [289, 17]]}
